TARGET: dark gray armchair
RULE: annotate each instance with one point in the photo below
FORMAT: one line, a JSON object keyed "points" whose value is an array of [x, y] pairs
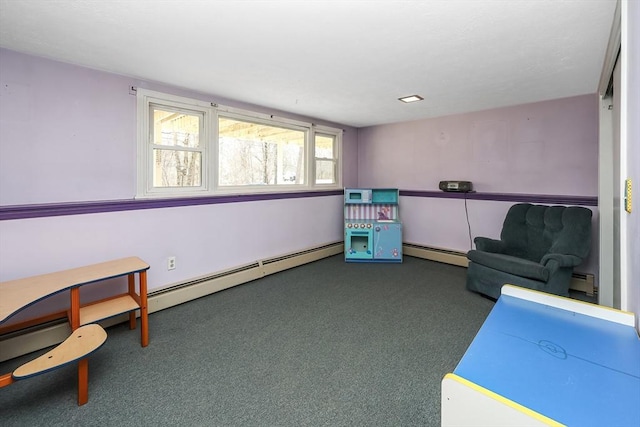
{"points": [[538, 248]]}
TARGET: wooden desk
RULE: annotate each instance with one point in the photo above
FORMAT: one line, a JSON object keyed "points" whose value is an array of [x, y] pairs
{"points": [[542, 360], [22, 293]]}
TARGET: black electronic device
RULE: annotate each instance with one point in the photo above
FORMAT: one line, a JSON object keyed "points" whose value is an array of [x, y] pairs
{"points": [[456, 186]]}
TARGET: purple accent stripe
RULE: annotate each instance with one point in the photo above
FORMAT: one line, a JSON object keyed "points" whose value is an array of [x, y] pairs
{"points": [[510, 197], [82, 208]]}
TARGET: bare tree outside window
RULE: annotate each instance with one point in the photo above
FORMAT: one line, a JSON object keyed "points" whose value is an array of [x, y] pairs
{"points": [[258, 154], [177, 152]]}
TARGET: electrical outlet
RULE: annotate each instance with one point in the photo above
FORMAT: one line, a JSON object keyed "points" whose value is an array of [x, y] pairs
{"points": [[171, 263]]}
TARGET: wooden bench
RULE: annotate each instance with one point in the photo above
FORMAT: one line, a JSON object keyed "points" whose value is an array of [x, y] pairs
{"points": [[77, 347], [19, 294]]}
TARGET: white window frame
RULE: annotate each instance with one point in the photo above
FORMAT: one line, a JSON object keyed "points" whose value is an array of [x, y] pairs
{"points": [[145, 188], [209, 144], [337, 154]]}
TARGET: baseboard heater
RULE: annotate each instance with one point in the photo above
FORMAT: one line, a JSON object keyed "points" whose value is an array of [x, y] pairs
{"points": [[51, 333], [580, 281], [183, 292]]}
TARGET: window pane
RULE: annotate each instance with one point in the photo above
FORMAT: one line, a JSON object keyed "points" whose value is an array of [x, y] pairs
{"points": [[325, 161], [259, 154], [174, 128], [324, 146], [325, 172], [173, 168]]}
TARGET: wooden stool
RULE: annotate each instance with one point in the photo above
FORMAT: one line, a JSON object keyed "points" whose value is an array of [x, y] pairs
{"points": [[80, 344]]}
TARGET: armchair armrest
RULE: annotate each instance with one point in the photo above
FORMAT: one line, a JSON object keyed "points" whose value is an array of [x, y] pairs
{"points": [[553, 262], [563, 260], [489, 245], [510, 265]]}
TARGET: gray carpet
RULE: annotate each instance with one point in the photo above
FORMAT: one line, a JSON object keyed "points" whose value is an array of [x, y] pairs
{"points": [[324, 344]]}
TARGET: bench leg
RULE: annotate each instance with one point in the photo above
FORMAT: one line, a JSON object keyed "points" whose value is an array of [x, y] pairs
{"points": [[6, 380], [83, 381], [144, 311], [131, 278], [75, 308]]}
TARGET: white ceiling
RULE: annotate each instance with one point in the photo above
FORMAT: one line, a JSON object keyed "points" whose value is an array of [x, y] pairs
{"points": [[344, 61]]}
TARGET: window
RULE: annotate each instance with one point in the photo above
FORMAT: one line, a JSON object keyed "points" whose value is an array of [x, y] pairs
{"points": [[326, 163], [188, 147], [174, 152], [177, 152], [252, 153]]}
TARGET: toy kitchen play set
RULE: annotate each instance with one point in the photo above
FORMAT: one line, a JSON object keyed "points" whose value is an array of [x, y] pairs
{"points": [[372, 227]]}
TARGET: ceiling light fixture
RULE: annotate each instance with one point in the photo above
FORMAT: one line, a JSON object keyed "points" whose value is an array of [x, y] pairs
{"points": [[411, 98]]}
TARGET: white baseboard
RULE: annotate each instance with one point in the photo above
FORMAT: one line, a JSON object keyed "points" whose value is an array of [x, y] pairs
{"points": [[584, 283], [436, 254], [178, 294]]}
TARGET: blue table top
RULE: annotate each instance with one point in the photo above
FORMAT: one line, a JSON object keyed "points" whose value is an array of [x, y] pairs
{"points": [[574, 368]]}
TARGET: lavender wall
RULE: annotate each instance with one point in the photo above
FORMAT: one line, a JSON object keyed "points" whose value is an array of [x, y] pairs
{"points": [[544, 148], [68, 134]]}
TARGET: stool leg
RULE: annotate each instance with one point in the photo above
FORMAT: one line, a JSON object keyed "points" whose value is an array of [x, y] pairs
{"points": [[83, 381], [6, 380]]}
